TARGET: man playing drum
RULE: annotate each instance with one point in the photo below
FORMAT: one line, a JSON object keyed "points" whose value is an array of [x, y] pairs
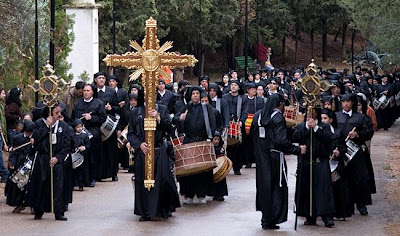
{"points": [[196, 129]]}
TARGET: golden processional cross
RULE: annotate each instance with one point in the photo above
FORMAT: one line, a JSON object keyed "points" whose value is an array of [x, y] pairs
{"points": [[149, 60]]}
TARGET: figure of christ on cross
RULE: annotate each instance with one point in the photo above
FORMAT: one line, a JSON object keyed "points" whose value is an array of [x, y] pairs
{"points": [[150, 60]]}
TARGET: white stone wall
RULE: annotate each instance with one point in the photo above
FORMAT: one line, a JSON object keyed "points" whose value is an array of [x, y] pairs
{"points": [[85, 49]]}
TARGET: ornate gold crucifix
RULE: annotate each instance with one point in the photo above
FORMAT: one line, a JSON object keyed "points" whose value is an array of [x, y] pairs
{"points": [[149, 60]]}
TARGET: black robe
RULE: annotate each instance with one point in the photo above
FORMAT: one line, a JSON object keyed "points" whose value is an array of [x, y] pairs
{"points": [[99, 115], [359, 175], [16, 196], [219, 189], [109, 164], [123, 154], [80, 174], [251, 106], [168, 100], [162, 198], [67, 169], [322, 195], [272, 190], [195, 131], [39, 187]]}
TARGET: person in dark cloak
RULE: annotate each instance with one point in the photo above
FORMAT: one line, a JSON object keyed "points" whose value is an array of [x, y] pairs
{"points": [[220, 189], [269, 130], [93, 114], [340, 186], [163, 198], [15, 196], [108, 167], [39, 187], [251, 104], [81, 145], [355, 126], [319, 143], [195, 129], [238, 114]]}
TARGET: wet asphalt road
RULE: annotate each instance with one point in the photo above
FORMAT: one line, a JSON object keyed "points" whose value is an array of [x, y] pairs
{"points": [[107, 209]]}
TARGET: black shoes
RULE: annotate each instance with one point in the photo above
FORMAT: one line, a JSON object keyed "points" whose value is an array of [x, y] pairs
{"points": [[144, 218], [61, 218], [92, 183], [310, 221], [248, 165], [115, 178], [362, 209], [80, 189], [329, 223], [237, 172], [38, 217], [270, 226], [219, 198]]}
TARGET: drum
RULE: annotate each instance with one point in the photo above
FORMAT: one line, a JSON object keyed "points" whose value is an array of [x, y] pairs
{"points": [[86, 131], [247, 123], [292, 116], [384, 102], [108, 127], [234, 133], [21, 177], [194, 158], [392, 101], [352, 150], [123, 139], [397, 99], [178, 141], [224, 166], [334, 173], [77, 160]]}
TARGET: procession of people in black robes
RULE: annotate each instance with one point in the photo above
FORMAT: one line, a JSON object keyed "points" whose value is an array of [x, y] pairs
{"points": [[204, 113]]}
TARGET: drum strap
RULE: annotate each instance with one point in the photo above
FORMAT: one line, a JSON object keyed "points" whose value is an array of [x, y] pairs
{"points": [[239, 107], [218, 104], [206, 120]]}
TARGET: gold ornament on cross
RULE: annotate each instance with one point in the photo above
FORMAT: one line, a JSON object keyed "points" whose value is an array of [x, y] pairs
{"points": [[149, 60]]}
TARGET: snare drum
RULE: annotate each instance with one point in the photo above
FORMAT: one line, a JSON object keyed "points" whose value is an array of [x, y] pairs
{"points": [[234, 133], [86, 131], [334, 173], [21, 177], [108, 127], [224, 166], [77, 160], [248, 122], [194, 158], [352, 150], [178, 141]]}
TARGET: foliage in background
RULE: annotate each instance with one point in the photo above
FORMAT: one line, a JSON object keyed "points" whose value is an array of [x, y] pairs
{"points": [[380, 22], [17, 50]]}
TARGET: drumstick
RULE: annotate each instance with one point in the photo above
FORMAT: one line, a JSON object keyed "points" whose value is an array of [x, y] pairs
{"points": [[84, 117], [4, 140], [348, 136], [20, 146]]}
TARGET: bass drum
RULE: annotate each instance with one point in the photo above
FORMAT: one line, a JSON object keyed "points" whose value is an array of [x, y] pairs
{"points": [[21, 177], [224, 166]]}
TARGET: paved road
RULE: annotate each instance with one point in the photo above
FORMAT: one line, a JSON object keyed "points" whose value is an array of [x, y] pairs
{"points": [[108, 209]]}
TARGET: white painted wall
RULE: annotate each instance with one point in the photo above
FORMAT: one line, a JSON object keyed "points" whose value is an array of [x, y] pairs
{"points": [[85, 49]]}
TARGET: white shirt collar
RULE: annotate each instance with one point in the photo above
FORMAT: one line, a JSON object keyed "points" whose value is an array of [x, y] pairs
{"points": [[162, 93], [332, 129], [116, 89], [214, 99], [350, 113], [88, 100], [101, 89]]}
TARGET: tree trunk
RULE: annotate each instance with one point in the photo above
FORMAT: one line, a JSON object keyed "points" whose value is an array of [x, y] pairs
{"points": [[296, 56], [283, 50], [344, 35], [337, 35], [203, 60], [324, 40], [312, 42]]}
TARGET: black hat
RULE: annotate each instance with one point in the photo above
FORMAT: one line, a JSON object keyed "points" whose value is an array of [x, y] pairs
{"points": [[326, 99], [235, 82], [161, 81], [182, 83], [204, 77], [348, 97], [250, 85], [276, 80], [113, 77], [99, 74], [29, 125], [77, 122], [217, 133]]}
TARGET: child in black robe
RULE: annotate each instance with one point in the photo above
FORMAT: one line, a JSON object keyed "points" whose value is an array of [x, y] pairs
{"points": [[220, 189], [82, 144]]}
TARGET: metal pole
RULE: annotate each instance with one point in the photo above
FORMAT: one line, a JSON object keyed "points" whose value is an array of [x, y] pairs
{"points": [[200, 65], [51, 167], [114, 29], [36, 49], [246, 37], [52, 27]]}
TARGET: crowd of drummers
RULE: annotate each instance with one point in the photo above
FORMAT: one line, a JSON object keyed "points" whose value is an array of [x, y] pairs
{"points": [[203, 132]]}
